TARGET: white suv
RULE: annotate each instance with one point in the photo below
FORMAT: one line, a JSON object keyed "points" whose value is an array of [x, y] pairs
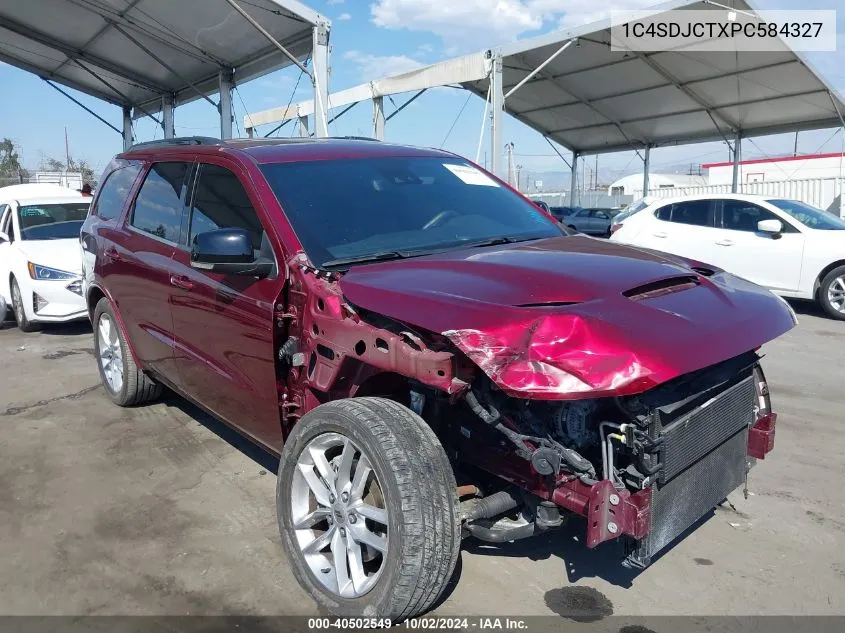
{"points": [[788, 246]]}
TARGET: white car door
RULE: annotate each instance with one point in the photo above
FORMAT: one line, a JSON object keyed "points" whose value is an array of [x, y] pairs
{"points": [[771, 260], [5, 251], [684, 228]]}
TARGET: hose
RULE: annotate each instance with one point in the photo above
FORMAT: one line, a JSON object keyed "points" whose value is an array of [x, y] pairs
{"points": [[494, 505], [606, 450], [490, 417]]}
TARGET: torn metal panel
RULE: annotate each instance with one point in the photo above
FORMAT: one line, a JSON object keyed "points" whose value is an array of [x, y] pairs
{"points": [[335, 341]]}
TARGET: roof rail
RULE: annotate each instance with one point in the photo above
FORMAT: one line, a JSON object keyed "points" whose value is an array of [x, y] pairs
{"points": [[179, 140], [355, 138]]}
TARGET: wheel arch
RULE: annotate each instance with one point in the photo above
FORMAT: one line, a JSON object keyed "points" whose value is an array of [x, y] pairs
{"points": [[823, 273], [385, 384], [95, 294]]}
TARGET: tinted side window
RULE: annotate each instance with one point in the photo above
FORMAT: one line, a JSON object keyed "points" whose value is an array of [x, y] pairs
{"points": [[159, 205], [220, 201], [664, 213], [738, 215], [696, 212], [114, 192]]}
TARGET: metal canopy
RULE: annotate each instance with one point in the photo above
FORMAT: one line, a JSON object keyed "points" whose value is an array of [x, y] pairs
{"points": [[591, 99], [578, 92], [153, 55]]}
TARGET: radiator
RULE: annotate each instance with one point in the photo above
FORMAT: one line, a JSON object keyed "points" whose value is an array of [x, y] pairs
{"points": [[704, 457]]}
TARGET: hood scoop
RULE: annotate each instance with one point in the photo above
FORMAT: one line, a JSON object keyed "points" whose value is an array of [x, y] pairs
{"points": [[662, 287], [547, 304]]}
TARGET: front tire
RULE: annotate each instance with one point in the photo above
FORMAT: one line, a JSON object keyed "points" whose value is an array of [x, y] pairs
{"points": [[24, 324], [832, 293], [367, 509], [124, 382]]}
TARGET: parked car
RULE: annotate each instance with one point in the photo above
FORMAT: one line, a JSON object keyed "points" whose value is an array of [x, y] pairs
{"points": [[631, 209], [591, 221], [40, 269], [788, 246], [542, 204], [561, 212], [415, 319]]}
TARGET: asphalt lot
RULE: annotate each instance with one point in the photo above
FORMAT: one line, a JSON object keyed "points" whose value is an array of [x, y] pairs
{"points": [[159, 510]]}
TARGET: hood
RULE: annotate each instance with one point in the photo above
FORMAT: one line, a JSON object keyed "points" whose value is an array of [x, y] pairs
{"points": [[574, 316], [59, 254]]}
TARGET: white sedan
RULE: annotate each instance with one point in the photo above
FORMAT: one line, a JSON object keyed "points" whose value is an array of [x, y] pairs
{"points": [[40, 264], [788, 246]]}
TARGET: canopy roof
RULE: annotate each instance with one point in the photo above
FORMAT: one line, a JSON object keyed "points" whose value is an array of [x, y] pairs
{"points": [[591, 99], [133, 52]]}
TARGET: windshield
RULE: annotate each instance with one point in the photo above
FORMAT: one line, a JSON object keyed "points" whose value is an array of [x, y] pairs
{"points": [[54, 221], [634, 207], [810, 216], [402, 206]]}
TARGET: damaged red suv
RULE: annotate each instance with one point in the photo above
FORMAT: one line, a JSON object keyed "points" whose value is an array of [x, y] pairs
{"points": [[433, 357]]}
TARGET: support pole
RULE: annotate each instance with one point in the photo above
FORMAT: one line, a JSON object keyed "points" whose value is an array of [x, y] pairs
{"points": [[167, 119], [378, 118], [81, 105], [127, 128], [539, 68], [320, 77], [303, 127], [737, 156], [267, 35], [497, 109], [224, 79], [646, 168], [573, 183], [404, 105]]}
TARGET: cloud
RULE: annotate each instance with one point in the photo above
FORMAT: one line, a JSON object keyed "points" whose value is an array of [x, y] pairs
{"points": [[336, 1], [378, 66], [343, 17], [474, 24]]}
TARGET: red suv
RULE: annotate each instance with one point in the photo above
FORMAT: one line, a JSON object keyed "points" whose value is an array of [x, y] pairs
{"points": [[432, 355]]}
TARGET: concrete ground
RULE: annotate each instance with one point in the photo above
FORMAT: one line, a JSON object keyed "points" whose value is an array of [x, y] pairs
{"points": [[159, 510]]}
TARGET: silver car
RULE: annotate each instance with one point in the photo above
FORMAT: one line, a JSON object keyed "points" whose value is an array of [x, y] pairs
{"points": [[591, 221]]}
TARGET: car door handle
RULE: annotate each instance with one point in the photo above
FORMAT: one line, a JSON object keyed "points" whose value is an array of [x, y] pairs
{"points": [[725, 243], [112, 254], [181, 281], [661, 234]]}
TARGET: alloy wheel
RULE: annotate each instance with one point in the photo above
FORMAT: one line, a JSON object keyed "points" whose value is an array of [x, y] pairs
{"points": [[17, 303], [836, 294], [339, 515], [111, 354]]}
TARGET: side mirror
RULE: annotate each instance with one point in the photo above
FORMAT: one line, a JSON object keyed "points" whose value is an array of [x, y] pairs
{"points": [[771, 227], [228, 251]]}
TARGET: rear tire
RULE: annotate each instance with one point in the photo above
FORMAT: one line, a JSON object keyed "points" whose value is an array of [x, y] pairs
{"points": [[832, 293], [24, 324], [114, 360], [413, 488]]}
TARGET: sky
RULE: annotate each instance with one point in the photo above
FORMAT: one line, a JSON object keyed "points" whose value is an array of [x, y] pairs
{"points": [[374, 38]]}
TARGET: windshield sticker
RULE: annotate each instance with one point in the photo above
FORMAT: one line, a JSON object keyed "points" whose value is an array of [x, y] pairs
{"points": [[470, 175]]}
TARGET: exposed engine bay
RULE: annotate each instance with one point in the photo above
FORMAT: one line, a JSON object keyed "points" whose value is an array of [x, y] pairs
{"points": [[670, 454]]}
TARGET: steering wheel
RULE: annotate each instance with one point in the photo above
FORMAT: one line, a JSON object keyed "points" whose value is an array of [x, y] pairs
{"points": [[439, 219]]}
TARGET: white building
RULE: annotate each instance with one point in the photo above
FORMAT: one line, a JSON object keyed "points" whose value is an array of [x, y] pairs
{"points": [[627, 185], [69, 179], [784, 168]]}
